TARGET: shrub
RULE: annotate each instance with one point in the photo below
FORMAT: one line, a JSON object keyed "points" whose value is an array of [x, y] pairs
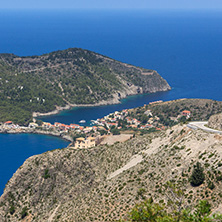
{"points": [[197, 177], [211, 185], [115, 131], [12, 209], [24, 212], [153, 212], [46, 174]]}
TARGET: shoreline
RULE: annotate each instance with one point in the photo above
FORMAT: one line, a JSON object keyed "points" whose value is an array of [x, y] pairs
{"points": [[115, 100], [40, 132], [70, 106]]}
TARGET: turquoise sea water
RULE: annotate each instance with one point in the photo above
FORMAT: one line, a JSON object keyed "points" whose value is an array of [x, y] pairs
{"points": [[185, 47]]}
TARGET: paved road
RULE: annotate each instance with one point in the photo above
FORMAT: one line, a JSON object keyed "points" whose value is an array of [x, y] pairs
{"points": [[202, 125]]}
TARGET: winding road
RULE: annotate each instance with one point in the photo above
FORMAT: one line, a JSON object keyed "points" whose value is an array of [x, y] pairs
{"points": [[202, 126]]}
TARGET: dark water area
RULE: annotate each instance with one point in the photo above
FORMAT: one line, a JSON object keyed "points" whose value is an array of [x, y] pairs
{"points": [[185, 47]]}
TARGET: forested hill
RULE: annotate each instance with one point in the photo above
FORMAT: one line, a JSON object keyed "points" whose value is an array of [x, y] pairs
{"points": [[72, 76]]}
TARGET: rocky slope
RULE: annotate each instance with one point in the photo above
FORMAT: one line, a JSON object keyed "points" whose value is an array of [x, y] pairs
{"points": [[103, 183], [215, 121], [68, 77]]}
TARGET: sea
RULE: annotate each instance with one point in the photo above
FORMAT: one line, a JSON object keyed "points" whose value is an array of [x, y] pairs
{"points": [[184, 46]]}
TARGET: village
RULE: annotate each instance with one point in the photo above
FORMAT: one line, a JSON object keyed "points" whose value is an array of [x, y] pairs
{"points": [[115, 127]]}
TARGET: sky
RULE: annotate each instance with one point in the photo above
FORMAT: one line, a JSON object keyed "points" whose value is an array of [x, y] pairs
{"points": [[112, 4]]}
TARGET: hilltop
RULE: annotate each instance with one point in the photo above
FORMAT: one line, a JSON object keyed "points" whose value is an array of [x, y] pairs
{"points": [[103, 183], [68, 78]]}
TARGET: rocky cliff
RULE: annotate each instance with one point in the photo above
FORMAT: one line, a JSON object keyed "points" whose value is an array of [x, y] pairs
{"points": [[103, 183]]}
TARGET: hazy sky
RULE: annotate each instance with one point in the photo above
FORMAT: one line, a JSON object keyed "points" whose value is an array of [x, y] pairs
{"points": [[131, 4]]}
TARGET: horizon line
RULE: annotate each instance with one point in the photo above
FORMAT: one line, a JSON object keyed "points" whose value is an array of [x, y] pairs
{"points": [[132, 9]]}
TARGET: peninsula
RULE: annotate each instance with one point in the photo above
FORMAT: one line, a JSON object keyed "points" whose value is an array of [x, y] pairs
{"points": [[60, 80]]}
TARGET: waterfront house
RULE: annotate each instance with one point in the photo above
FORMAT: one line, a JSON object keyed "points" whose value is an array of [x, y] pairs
{"points": [[74, 126], [8, 123], [33, 125], [46, 125]]}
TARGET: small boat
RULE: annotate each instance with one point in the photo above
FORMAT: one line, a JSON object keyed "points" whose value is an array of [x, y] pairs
{"points": [[82, 121]]}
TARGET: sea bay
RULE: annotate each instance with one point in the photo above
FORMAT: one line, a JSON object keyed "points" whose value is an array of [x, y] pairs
{"points": [[15, 149], [183, 46]]}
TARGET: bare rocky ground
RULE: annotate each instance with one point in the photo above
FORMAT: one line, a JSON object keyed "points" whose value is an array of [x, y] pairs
{"points": [[103, 183], [111, 139]]}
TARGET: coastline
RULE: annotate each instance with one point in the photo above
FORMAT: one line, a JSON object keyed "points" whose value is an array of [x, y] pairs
{"points": [[70, 106], [115, 100], [34, 131]]}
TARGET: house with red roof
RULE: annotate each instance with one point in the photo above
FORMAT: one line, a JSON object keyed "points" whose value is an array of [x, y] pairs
{"points": [[112, 124], [8, 123], [74, 126], [46, 125], [186, 113]]}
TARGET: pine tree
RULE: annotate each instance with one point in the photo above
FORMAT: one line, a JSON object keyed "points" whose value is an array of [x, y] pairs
{"points": [[197, 176]]}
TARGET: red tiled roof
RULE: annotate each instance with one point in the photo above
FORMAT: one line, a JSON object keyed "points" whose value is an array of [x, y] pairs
{"points": [[74, 125], [186, 111], [7, 122]]}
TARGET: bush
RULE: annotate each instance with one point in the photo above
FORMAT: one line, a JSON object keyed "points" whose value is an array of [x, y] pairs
{"points": [[46, 174], [24, 212], [211, 185], [154, 212], [12, 209], [197, 176], [115, 131]]}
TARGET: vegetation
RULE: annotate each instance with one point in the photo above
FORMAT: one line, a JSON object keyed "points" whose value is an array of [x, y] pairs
{"points": [[24, 212], [12, 209], [115, 131], [78, 135], [46, 174], [77, 76], [197, 177], [155, 212], [201, 110]]}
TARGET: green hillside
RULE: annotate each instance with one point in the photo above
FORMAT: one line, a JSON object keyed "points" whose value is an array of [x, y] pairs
{"points": [[72, 76]]}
